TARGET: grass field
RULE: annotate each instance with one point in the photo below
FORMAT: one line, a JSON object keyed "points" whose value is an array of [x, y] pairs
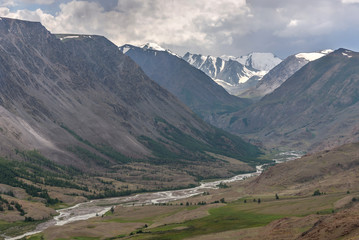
{"points": [[17, 228], [240, 215], [243, 216], [159, 222]]}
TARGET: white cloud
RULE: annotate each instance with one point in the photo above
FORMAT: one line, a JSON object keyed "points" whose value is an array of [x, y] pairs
{"points": [[37, 15], [231, 27], [201, 22], [293, 23], [7, 3], [45, 2]]}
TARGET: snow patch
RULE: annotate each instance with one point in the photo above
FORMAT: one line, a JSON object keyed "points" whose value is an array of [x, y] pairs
{"points": [[242, 59], [247, 74], [327, 51], [222, 82], [125, 49], [310, 56], [262, 61], [156, 47], [347, 55], [314, 55], [222, 66], [256, 60], [152, 46], [69, 37]]}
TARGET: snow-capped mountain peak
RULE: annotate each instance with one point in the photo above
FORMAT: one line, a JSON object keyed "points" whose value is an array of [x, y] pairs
{"points": [[256, 60], [148, 46], [279, 74], [152, 46], [235, 74], [262, 61]]}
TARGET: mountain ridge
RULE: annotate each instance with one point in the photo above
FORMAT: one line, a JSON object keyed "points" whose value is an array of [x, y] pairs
{"points": [[281, 72], [314, 109], [79, 101], [190, 85]]}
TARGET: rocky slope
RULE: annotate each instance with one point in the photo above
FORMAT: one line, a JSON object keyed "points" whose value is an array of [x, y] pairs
{"points": [[190, 85], [80, 101], [316, 108]]}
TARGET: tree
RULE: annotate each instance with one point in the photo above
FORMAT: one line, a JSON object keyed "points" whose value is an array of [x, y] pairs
{"points": [[276, 196], [317, 193], [112, 209], [222, 200], [222, 185], [259, 200]]}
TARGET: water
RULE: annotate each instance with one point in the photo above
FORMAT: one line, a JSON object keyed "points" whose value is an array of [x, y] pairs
{"points": [[287, 156], [86, 210]]}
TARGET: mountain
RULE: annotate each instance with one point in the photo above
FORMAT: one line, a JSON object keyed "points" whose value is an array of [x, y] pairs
{"points": [[316, 108], [76, 102], [277, 75], [327, 177], [256, 60], [190, 85], [235, 74]]}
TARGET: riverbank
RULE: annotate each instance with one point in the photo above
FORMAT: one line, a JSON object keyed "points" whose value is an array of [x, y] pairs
{"points": [[93, 208]]}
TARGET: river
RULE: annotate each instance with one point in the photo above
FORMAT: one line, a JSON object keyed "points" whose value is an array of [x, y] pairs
{"points": [[93, 208]]}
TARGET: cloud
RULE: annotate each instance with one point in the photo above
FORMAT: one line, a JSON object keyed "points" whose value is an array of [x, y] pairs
{"points": [[350, 1], [7, 3], [293, 23], [45, 2], [231, 27], [176, 23]]}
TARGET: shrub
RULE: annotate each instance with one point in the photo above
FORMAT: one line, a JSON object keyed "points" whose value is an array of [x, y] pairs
{"points": [[317, 193]]}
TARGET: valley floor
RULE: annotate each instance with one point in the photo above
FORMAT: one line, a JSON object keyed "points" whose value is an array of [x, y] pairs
{"points": [[227, 213], [314, 197]]}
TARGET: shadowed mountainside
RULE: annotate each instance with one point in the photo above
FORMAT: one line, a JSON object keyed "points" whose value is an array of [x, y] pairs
{"points": [[78, 100], [316, 108], [192, 86]]}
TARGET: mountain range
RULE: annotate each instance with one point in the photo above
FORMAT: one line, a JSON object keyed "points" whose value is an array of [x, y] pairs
{"points": [[80, 102], [293, 119], [277, 75], [189, 84], [235, 74], [316, 108], [82, 118]]}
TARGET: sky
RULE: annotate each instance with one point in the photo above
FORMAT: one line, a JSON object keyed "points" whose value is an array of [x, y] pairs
{"points": [[209, 27]]}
